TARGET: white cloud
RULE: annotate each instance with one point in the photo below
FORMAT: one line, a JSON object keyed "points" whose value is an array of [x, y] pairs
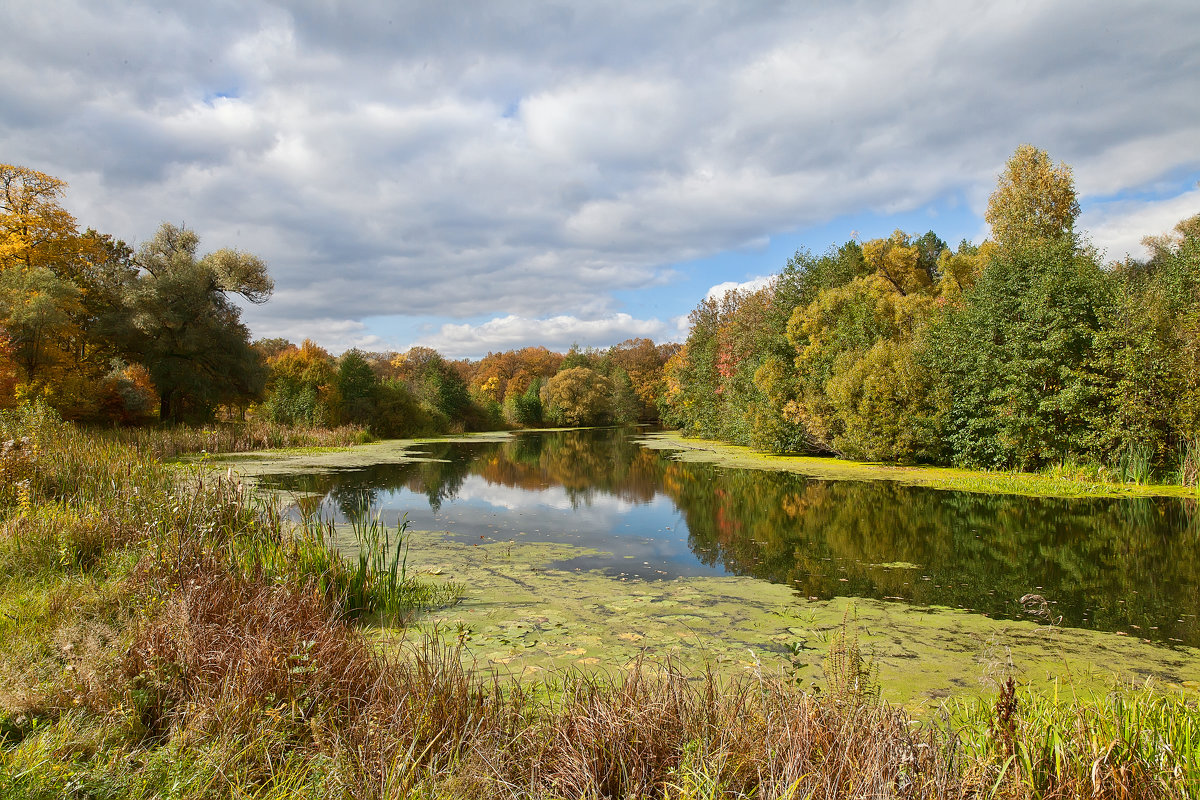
{"points": [[747, 287], [1118, 227], [337, 335], [528, 161], [557, 333], [594, 508]]}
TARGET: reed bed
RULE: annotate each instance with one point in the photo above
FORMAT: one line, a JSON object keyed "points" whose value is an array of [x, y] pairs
{"points": [[203, 649], [167, 442]]}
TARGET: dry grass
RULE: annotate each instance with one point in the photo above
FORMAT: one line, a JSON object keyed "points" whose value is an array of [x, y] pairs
{"points": [[169, 442]]}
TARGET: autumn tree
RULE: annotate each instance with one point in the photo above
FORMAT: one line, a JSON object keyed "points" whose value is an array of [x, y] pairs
{"points": [[35, 230], [184, 327], [8, 372], [1034, 200], [577, 396], [39, 245], [301, 386], [436, 385], [642, 363]]}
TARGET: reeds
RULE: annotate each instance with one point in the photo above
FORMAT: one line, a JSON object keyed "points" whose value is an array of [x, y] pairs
{"points": [[1135, 463], [168, 442], [369, 582], [1189, 462]]}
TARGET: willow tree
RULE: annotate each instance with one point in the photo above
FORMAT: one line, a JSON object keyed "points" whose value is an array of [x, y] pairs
{"points": [[185, 328]]}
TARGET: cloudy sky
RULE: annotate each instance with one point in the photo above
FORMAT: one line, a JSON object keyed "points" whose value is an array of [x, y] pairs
{"points": [[479, 176]]}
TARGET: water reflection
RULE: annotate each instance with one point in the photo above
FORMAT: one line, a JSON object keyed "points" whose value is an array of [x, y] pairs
{"points": [[1130, 565]]}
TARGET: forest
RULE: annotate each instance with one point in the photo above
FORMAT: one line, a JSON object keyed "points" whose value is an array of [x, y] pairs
{"points": [[1023, 352]]}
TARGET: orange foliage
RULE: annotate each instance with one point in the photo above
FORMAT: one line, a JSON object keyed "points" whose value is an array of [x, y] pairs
{"points": [[8, 373]]}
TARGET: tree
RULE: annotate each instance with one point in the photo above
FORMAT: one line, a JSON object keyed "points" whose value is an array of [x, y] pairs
{"points": [[8, 372], [436, 384], [1035, 199], [184, 328], [35, 307], [35, 231], [1016, 361], [39, 254], [525, 408], [358, 386], [577, 396], [302, 383]]}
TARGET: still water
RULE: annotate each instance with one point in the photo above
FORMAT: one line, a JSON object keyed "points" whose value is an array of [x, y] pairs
{"points": [[1116, 565]]}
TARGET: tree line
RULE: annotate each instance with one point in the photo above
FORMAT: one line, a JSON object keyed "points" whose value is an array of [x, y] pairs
{"points": [[420, 392], [104, 333], [1021, 352]]}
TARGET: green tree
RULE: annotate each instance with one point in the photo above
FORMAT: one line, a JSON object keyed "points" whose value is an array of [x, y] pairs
{"points": [[1016, 361], [526, 408], [185, 329], [358, 387], [301, 384]]}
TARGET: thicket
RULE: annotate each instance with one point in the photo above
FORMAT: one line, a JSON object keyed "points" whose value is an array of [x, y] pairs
{"points": [[1020, 353]]}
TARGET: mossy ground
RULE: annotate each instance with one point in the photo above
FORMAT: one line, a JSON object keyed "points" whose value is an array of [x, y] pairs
{"points": [[950, 478]]}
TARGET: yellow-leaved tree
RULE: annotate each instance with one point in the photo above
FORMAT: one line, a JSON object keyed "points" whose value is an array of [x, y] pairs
{"points": [[1034, 199], [38, 304]]}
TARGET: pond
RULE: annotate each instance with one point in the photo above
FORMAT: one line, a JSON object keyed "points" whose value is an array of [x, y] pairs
{"points": [[1120, 565]]}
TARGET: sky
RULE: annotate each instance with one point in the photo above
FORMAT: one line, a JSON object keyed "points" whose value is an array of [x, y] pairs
{"points": [[482, 176]]}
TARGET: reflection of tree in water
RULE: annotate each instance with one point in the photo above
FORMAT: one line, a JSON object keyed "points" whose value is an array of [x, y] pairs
{"points": [[1106, 563], [442, 477], [584, 463]]}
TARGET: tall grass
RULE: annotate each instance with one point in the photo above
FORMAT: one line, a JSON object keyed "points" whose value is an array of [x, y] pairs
{"points": [[1135, 464], [371, 582], [1189, 462], [1128, 744], [168, 442]]}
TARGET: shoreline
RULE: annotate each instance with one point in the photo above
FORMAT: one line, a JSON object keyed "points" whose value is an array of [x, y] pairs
{"points": [[944, 478]]}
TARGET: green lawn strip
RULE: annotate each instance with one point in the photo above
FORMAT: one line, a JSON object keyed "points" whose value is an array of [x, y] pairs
{"points": [[950, 478]]}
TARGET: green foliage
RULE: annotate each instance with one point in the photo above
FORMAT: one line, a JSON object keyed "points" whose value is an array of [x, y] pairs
{"points": [[623, 402], [883, 403], [301, 386], [358, 388], [525, 408], [1017, 383], [185, 329]]}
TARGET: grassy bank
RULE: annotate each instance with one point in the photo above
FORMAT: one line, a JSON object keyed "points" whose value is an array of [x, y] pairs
{"points": [[168, 442], [1063, 481], [165, 636]]}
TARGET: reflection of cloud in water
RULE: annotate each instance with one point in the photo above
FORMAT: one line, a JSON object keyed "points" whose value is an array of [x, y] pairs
{"points": [[476, 489], [649, 539]]}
